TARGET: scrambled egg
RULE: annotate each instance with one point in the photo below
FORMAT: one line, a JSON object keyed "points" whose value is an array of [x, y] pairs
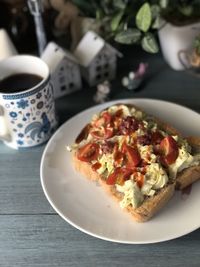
{"points": [[107, 164], [132, 194], [126, 111], [146, 152], [155, 178], [184, 160]]}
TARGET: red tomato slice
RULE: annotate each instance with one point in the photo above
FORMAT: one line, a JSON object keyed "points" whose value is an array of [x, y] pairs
{"points": [[88, 152], [104, 133], [132, 154], [108, 133], [103, 120], [111, 180], [118, 157], [169, 150], [119, 176], [99, 122], [107, 117], [98, 134]]}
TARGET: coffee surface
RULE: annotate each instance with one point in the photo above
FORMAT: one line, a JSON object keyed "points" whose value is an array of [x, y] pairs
{"points": [[19, 82]]}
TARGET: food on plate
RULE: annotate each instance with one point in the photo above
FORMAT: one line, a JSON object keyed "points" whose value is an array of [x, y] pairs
{"points": [[137, 158]]}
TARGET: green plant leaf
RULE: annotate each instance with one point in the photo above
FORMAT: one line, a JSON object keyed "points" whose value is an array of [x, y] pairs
{"points": [[116, 20], [119, 4], [186, 10], [155, 11], [129, 36], [157, 23], [149, 43], [99, 14], [144, 17], [164, 3]]}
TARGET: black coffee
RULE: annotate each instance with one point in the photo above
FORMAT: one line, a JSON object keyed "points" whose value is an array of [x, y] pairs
{"points": [[19, 82]]}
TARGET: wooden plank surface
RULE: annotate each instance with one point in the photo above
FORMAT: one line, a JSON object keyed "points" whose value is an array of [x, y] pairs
{"points": [[20, 188], [47, 240]]}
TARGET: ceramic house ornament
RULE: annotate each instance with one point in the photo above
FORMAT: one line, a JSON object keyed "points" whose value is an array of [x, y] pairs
{"points": [[65, 70], [7, 48], [98, 59]]}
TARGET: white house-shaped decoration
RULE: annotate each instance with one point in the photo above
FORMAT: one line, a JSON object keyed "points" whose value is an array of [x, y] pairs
{"points": [[64, 68], [98, 59]]}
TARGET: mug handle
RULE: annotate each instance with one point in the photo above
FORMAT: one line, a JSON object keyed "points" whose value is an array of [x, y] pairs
{"points": [[4, 134]]}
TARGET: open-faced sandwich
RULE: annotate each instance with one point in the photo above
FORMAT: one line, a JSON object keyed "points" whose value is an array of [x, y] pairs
{"points": [[138, 159]]}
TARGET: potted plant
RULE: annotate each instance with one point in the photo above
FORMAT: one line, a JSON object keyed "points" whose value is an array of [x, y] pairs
{"points": [[177, 22], [181, 24], [125, 21]]}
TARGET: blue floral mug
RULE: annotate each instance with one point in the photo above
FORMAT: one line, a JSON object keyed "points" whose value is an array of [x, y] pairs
{"points": [[27, 116]]}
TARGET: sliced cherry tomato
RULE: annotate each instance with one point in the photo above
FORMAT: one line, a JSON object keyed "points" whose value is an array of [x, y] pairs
{"points": [[111, 180], [98, 134], [119, 176], [108, 132], [107, 117], [104, 120], [88, 152], [118, 157], [103, 133], [99, 122], [132, 154], [169, 150]]}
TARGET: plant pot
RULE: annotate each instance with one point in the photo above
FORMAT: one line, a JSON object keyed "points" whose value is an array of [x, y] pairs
{"points": [[174, 39]]}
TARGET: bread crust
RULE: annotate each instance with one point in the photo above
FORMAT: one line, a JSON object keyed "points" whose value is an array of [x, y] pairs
{"points": [[149, 207], [190, 175], [187, 177]]}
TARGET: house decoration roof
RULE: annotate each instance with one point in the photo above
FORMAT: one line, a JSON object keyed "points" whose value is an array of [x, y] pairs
{"points": [[53, 59], [89, 47]]}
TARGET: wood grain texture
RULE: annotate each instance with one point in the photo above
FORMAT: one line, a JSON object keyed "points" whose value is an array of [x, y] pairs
{"points": [[47, 240], [20, 188], [31, 234]]}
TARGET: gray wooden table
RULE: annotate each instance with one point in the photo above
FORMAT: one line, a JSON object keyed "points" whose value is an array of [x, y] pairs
{"points": [[32, 234]]}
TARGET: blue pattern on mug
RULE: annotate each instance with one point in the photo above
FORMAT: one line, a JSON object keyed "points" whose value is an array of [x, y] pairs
{"points": [[36, 128], [32, 117]]}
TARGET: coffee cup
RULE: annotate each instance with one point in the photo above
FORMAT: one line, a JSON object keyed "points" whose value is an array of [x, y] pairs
{"points": [[27, 107]]}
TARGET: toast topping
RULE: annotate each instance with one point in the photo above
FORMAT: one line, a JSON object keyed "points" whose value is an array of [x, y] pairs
{"points": [[132, 153], [132, 194]]}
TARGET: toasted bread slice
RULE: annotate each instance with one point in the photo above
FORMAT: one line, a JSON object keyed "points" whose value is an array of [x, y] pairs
{"points": [[141, 214], [151, 203]]}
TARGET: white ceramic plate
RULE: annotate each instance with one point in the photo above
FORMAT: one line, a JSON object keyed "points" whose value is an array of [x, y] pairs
{"points": [[87, 207]]}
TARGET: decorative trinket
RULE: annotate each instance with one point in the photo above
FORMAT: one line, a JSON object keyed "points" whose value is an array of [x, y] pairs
{"points": [[103, 91], [65, 71], [98, 59], [134, 79]]}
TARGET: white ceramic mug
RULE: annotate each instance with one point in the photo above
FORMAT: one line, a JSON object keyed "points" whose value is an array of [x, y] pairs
{"points": [[27, 117]]}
